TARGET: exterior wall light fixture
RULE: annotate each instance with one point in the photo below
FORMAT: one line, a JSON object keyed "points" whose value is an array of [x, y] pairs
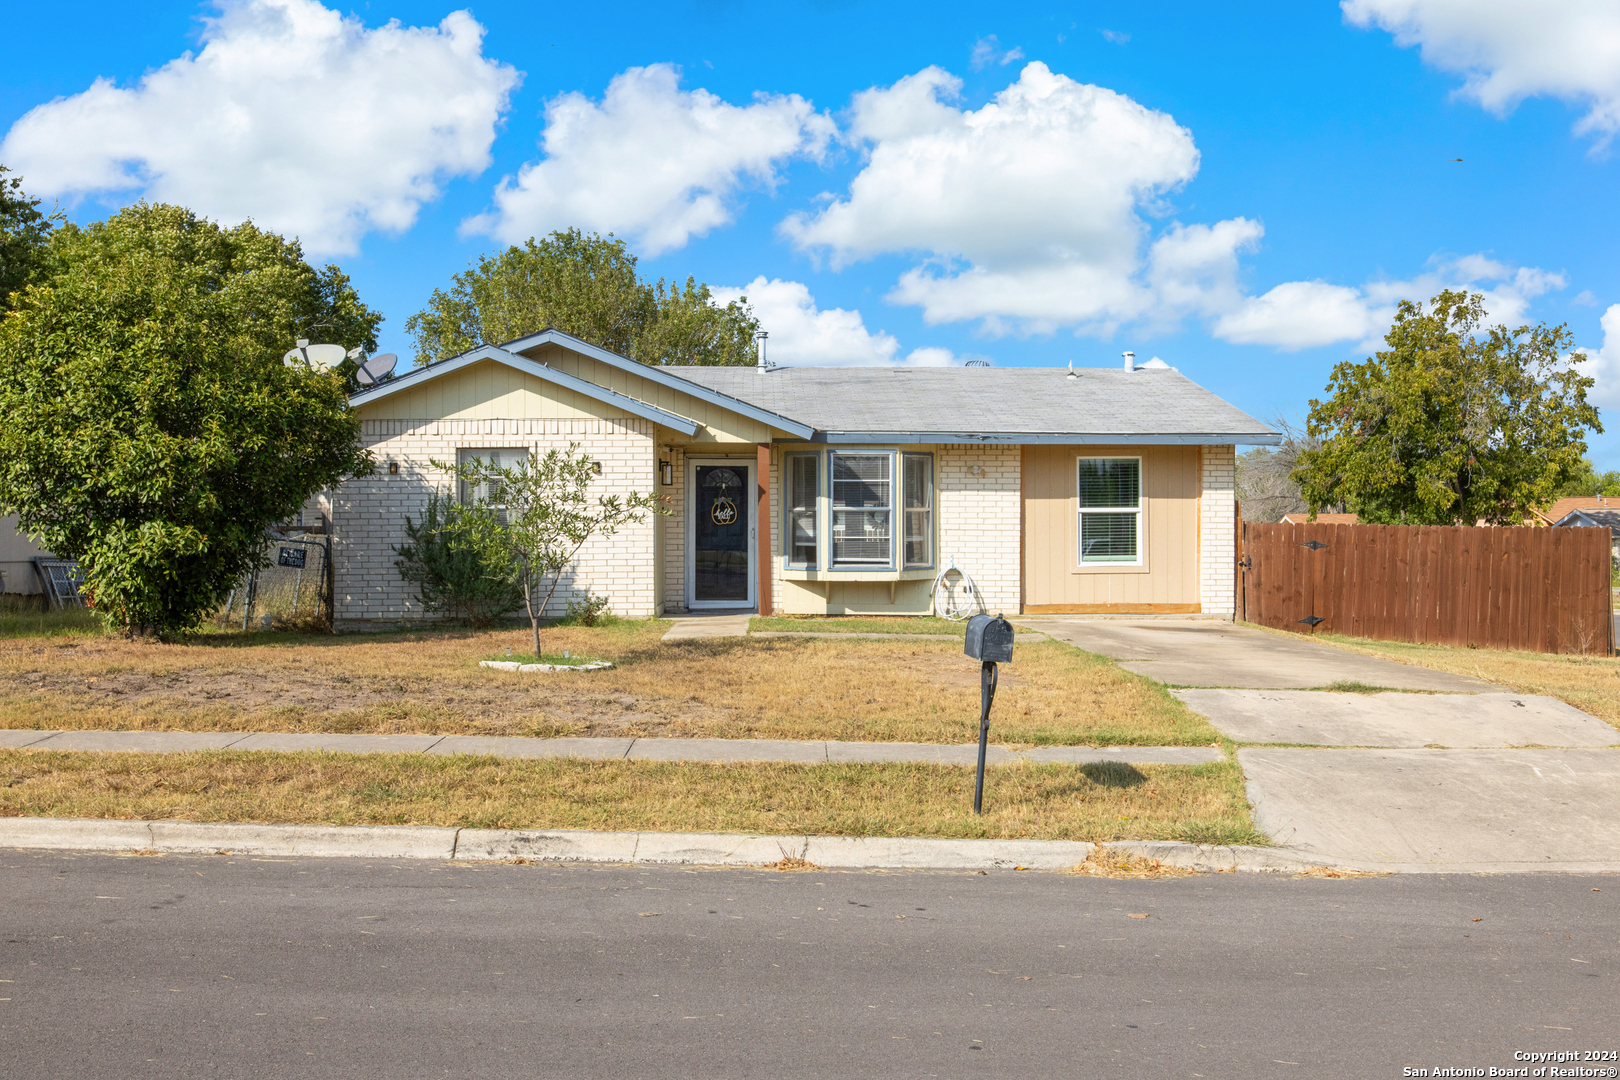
{"points": [[666, 473], [393, 468]]}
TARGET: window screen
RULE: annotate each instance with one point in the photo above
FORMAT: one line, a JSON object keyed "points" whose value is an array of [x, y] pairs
{"points": [[918, 478], [1110, 492], [804, 485], [489, 491], [862, 509]]}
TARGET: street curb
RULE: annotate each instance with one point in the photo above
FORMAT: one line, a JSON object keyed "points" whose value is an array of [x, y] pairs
{"points": [[570, 845]]}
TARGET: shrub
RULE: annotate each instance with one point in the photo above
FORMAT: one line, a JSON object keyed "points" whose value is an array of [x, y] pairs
{"points": [[588, 611], [452, 577]]}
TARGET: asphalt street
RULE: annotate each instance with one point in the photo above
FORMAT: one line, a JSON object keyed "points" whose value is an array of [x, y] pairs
{"points": [[224, 966]]}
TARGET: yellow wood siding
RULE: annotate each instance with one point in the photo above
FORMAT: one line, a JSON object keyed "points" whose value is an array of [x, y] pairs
{"points": [[1053, 576], [494, 391]]}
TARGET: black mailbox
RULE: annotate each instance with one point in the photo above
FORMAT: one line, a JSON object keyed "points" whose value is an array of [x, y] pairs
{"points": [[989, 639]]}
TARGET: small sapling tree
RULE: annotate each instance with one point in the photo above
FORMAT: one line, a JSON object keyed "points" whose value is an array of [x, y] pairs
{"points": [[542, 515]]}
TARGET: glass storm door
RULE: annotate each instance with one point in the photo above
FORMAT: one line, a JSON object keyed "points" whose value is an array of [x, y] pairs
{"points": [[722, 531]]}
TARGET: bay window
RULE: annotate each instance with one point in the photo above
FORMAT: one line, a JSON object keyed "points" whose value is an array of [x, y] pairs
{"points": [[862, 509], [918, 484], [804, 489]]}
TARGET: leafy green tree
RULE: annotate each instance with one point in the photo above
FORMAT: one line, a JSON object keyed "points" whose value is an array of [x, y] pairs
{"points": [[544, 514], [451, 575], [1588, 481], [586, 285], [148, 427], [1447, 426], [25, 233]]}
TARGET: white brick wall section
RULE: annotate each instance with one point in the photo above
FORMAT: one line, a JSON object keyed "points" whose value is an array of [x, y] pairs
{"points": [[1217, 531], [369, 513], [980, 518]]}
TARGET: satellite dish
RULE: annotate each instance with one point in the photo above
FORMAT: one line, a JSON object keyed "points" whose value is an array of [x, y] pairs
{"points": [[325, 357], [376, 369]]}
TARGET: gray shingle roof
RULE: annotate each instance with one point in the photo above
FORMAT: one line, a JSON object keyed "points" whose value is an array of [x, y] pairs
{"points": [[964, 404], [1611, 518]]}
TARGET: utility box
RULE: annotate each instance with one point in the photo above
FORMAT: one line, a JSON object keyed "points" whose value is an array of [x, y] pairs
{"points": [[989, 639]]}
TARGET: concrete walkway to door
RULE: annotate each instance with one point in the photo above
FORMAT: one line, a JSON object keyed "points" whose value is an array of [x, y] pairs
{"points": [[1207, 652]]}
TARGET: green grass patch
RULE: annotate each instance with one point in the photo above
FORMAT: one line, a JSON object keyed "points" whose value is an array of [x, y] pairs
{"points": [[873, 624], [24, 616], [1112, 801]]}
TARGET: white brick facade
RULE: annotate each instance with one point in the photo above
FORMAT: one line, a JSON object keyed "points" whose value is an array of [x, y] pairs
{"points": [[1217, 531], [981, 519], [368, 514]]}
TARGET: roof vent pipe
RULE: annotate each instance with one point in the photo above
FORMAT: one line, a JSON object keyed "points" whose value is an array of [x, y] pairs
{"points": [[1072, 375], [764, 365], [1130, 361]]}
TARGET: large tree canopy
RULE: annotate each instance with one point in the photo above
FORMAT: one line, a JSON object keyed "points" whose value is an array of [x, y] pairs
{"points": [[148, 427], [1447, 426], [25, 233], [585, 285]]}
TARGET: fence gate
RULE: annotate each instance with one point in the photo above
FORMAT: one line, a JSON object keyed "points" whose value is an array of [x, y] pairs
{"points": [[294, 589], [1534, 589]]}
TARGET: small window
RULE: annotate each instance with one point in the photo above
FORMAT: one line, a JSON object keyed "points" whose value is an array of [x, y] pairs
{"points": [[1111, 510], [804, 486], [488, 492], [863, 509], [918, 478]]}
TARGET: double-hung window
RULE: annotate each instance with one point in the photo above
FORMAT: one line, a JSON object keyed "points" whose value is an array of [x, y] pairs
{"points": [[918, 483], [1110, 510], [804, 489], [487, 491], [862, 509]]}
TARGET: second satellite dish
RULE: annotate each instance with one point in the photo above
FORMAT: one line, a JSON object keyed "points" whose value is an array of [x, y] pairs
{"points": [[376, 369], [317, 357]]}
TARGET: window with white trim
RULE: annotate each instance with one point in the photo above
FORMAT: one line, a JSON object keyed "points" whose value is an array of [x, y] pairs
{"points": [[1110, 492], [804, 489], [862, 509], [917, 480], [487, 492]]}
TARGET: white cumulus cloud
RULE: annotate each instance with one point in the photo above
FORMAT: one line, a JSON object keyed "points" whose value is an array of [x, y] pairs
{"points": [[800, 333], [1028, 213], [291, 114], [1508, 50], [1306, 314], [651, 161], [1603, 364]]}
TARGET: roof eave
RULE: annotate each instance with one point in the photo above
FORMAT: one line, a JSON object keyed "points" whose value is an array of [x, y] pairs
{"points": [[538, 370], [663, 378], [1051, 438]]}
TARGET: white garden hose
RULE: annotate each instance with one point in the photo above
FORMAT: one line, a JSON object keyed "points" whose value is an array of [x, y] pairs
{"points": [[956, 599]]}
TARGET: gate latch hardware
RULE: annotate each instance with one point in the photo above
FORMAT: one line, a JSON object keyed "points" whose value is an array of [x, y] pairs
{"points": [[1314, 545], [1312, 620]]}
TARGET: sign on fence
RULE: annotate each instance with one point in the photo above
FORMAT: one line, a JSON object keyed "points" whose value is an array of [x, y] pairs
{"points": [[293, 556], [1536, 589]]}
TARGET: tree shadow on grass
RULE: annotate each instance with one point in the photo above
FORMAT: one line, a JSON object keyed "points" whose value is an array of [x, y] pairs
{"points": [[1113, 774]]}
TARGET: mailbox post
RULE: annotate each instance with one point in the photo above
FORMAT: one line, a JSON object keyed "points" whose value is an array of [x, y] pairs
{"points": [[990, 641]]}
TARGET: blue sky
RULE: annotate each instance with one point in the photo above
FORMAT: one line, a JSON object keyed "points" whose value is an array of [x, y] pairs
{"points": [[1244, 193]]}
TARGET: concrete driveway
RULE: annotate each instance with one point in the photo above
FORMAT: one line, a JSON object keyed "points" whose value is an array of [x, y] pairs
{"points": [[1463, 778], [1204, 652]]}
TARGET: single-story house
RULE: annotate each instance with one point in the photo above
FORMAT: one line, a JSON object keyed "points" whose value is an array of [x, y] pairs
{"points": [[824, 490], [1304, 518], [17, 555]]}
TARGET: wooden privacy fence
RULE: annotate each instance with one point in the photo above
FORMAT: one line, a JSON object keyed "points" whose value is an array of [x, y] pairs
{"points": [[1535, 589]]}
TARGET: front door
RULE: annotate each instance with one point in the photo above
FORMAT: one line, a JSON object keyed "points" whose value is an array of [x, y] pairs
{"points": [[720, 560]]}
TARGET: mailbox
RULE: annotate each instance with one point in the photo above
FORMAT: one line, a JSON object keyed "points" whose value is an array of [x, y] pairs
{"points": [[989, 639]]}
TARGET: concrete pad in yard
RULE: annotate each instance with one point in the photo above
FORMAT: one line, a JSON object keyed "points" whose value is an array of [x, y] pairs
{"points": [[151, 742], [1206, 652], [728, 750], [343, 744], [1131, 755], [518, 747], [708, 626], [968, 754], [1447, 720], [1441, 811], [12, 738]]}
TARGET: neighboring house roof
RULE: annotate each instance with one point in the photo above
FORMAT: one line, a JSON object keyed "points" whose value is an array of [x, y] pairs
{"points": [[905, 404], [1321, 519], [1608, 519], [990, 404], [1562, 507]]}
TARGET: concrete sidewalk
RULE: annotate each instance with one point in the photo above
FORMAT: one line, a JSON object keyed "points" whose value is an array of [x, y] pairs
{"points": [[628, 749]]}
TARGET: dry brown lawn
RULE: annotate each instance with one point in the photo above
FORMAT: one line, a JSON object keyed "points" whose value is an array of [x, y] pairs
{"points": [[1194, 803], [429, 682], [1590, 683]]}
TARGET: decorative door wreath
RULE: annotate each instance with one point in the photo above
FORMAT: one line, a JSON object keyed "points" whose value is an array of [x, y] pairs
{"points": [[722, 511]]}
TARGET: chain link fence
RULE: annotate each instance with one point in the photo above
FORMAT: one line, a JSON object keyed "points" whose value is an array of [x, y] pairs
{"points": [[293, 591]]}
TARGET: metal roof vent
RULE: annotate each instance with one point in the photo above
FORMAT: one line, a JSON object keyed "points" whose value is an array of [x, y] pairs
{"points": [[977, 363], [1130, 360]]}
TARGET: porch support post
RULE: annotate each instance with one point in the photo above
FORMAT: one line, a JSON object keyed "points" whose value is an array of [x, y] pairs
{"points": [[763, 517]]}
